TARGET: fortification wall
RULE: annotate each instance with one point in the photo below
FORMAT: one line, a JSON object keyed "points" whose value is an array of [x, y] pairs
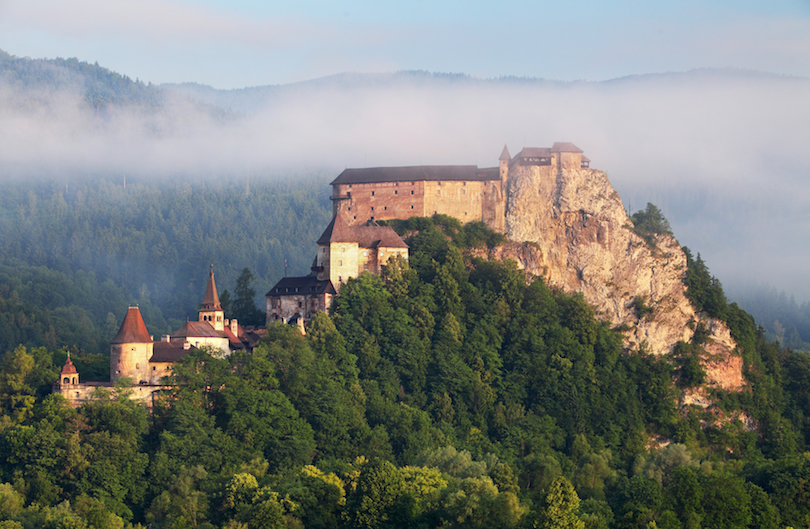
{"points": [[466, 201], [380, 200], [460, 200]]}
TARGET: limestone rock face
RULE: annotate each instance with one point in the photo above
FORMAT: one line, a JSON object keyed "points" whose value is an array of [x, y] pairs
{"points": [[570, 228]]}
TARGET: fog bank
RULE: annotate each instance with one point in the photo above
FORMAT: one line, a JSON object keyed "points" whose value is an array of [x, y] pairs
{"points": [[720, 152]]}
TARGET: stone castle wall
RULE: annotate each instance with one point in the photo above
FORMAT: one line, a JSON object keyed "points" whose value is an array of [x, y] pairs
{"points": [[467, 201]]}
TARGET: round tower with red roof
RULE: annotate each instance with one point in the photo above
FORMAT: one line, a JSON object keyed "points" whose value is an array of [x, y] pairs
{"points": [[131, 349]]}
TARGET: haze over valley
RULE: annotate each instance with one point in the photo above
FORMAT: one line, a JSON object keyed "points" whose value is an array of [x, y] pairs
{"points": [[721, 152]]}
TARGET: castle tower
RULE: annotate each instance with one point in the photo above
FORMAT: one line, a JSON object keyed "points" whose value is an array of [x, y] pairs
{"points": [[131, 349], [69, 374], [211, 310], [504, 167]]}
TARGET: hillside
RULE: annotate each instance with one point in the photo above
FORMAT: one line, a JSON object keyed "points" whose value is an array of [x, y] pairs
{"points": [[451, 392]]}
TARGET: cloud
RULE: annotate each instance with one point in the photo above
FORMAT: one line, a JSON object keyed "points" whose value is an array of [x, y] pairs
{"points": [[721, 152]]}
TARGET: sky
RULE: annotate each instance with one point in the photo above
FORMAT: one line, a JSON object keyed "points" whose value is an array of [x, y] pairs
{"points": [[239, 43]]}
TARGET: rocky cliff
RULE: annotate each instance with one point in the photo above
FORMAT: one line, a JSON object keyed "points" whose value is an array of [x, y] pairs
{"points": [[570, 227]]}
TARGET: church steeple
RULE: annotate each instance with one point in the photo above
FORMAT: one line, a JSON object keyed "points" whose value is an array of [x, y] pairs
{"points": [[211, 310], [211, 299]]}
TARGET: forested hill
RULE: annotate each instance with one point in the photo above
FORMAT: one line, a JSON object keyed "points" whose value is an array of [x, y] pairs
{"points": [[75, 253], [98, 86], [449, 393]]}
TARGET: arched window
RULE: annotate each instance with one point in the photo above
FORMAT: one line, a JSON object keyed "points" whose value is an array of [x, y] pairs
{"points": [[66, 381]]}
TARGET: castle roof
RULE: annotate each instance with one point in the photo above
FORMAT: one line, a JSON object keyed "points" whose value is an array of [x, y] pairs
{"points": [[69, 368], [168, 352], [564, 146], [133, 329], [370, 235], [197, 329], [534, 152], [302, 285], [412, 174], [211, 299], [505, 154]]}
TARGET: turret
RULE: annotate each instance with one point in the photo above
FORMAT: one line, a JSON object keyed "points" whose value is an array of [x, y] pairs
{"points": [[69, 374], [131, 349], [211, 310], [504, 166]]}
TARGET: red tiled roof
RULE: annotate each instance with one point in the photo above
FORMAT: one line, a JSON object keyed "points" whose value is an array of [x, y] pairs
{"points": [[69, 368], [133, 329], [197, 329], [366, 235]]}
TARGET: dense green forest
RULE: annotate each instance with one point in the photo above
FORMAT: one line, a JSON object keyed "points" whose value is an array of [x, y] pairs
{"points": [[75, 254], [450, 392]]}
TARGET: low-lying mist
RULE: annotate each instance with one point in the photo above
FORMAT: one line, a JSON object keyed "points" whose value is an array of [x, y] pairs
{"points": [[722, 153]]}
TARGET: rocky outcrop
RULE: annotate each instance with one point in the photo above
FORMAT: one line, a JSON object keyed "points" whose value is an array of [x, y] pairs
{"points": [[570, 227]]}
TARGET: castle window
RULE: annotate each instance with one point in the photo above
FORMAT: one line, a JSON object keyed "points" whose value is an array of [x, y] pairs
{"points": [[365, 266], [137, 366], [412, 191], [385, 208], [154, 368], [372, 208], [340, 263], [77, 393], [438, 191], [464, 191], [372, 193], [350, 208], [66, 381], [396, 192], [411, 207]]}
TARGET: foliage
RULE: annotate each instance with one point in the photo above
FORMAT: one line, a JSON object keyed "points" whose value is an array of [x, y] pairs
{"points": [[650, 222], [448, 392]]}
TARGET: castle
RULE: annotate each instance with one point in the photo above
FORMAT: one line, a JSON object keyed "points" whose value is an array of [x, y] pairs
{"points": [[353, 243], [464, 192], [137, 357]]}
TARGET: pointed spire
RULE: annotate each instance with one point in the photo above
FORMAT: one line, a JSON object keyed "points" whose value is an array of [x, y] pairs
{"points": [[211, 299], [133, 329], [505, 154]]}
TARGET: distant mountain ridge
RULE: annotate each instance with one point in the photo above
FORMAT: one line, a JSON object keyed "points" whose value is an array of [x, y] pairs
{"points": [[249, 99], [101, 86]]}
